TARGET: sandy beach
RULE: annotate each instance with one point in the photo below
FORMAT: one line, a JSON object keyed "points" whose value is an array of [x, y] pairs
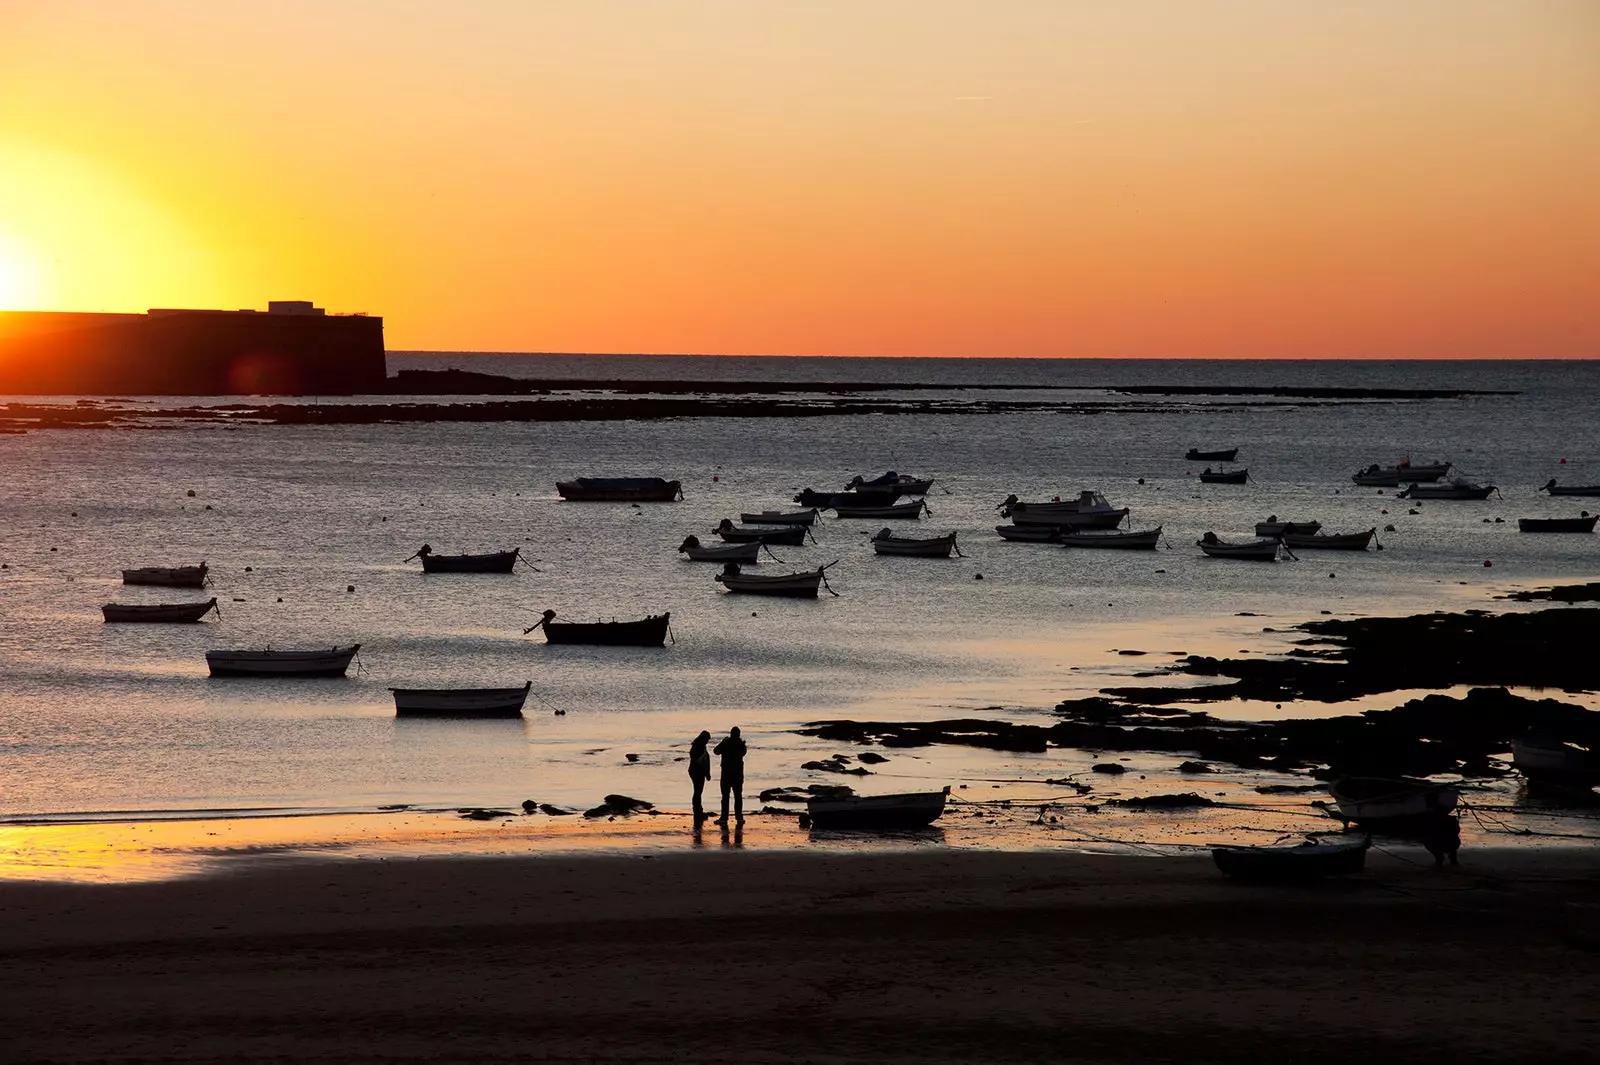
{"points": [[741, 956]]}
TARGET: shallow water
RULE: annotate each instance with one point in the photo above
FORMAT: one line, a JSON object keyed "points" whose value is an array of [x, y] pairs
{"points": [[99, 718]]}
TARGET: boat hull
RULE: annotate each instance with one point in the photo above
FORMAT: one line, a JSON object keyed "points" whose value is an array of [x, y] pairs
{"points": [[620, 490], [906, 486], [460, 702], [932, 547], [1557, 525], [646, 632], [1573, 490], [167, 576], [1330, 541], [898, 512], [1446, 491], [876, 812], [1045, 514], [164, 613], [792, 535], [1307, 861], [1030, 534], [779, 517], [1231, 477], [1195, 455], [1539, 759], [495, 562], [1142, 540], [810, 497], [792, 585], [1255, 551], [330, 663], [1391, 804], [735, 552], [1284, 528]]}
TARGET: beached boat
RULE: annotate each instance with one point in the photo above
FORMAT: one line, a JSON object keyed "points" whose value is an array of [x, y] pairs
{"points": [[174, 613], [1312, 860], [1457, 489], [1265, 550], [1570, 490], [1132, 540], [885, 542], [460, 702], [896, 511], [810, 497], [1537, 757], [735, 552], [1194, 454], [1585, 524], [781, 517], [1391, 802], [1377, 477], [269, 663], [168, 576], [1090, 510], [1273, 527], [1210, 476], [1031, 534], [752, 534], [792, 585], [1330, 541], [620, 490], [491, 562], [646, 632], [877, 812], [903, 483]]}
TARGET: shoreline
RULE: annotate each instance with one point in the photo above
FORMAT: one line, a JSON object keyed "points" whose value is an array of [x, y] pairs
{"points": [[928, 956]]}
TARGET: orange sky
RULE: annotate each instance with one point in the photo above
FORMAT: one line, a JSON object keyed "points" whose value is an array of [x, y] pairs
{"points": [[1248, 178]]}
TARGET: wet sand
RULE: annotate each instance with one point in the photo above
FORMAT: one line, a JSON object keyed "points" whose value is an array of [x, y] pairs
{"points": [[740, 956]]}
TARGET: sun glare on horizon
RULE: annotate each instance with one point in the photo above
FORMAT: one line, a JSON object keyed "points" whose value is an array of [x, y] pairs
{"points": [[21, 286]]}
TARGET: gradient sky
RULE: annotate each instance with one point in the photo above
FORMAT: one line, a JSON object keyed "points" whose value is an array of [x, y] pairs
{"points": [[1250, 178]]}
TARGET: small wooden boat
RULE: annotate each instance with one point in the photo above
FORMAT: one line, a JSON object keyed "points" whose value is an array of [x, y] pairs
{"points": [[269, 663], [492, 562], [174, 613], [735, 552], [877, 812], [1537, 757], [1194, 454], [1395, 802], [646, 632], [1330, 541], [903, 483], [1273, 527], [792, 585], [1570, 490], [885, 542], [1089, 511], [896, 511], [781, 517], [1457, 489], [620, 490], [1377, 477], [1031, 534], [810, 497], [1584, 524], [460, 702], [1311, 860], [1132, 540], [168, 576], [1265, 550], [1210, 476], [750, 534]]}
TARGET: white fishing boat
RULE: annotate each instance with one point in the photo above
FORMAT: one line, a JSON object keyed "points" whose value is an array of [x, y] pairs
{"points": [[1456, 489], [885, 542], [1330, 541], [1089, 510], [1131, 540], [270, 663], [791, 585], [168, 576], [735, 552], [877, 812], [1394, 802], [781, 517], [460, 702], [172, 613], [1265, 550]]}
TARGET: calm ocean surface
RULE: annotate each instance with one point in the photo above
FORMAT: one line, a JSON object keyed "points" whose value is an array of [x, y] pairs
{"points": [[97, 718]]}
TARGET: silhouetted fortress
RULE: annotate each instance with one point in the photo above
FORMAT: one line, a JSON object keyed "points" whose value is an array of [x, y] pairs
{"points": [[290, 349]]}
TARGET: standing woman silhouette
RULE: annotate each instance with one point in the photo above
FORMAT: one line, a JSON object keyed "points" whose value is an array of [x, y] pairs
{"points": [[699, 772]]}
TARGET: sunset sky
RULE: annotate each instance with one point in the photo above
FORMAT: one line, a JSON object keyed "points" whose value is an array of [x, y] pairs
{"points": [[1251, 178]]}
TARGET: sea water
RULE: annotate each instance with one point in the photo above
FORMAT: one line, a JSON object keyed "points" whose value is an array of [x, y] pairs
{"points": [[307, 531]]}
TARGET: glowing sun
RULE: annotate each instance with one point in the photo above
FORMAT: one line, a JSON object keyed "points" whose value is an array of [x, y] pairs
{"points": [[19, 276]]}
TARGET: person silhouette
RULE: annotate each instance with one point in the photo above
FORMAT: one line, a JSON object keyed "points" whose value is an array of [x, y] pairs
{"points": [[731, 750], [699, 772]]}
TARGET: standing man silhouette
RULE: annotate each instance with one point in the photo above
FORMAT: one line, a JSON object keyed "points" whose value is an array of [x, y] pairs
{"points": [[699, 772], [732, 751]]}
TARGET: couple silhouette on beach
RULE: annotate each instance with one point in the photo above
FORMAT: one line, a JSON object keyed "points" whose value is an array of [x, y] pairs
{"points": [[731, 750]]}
